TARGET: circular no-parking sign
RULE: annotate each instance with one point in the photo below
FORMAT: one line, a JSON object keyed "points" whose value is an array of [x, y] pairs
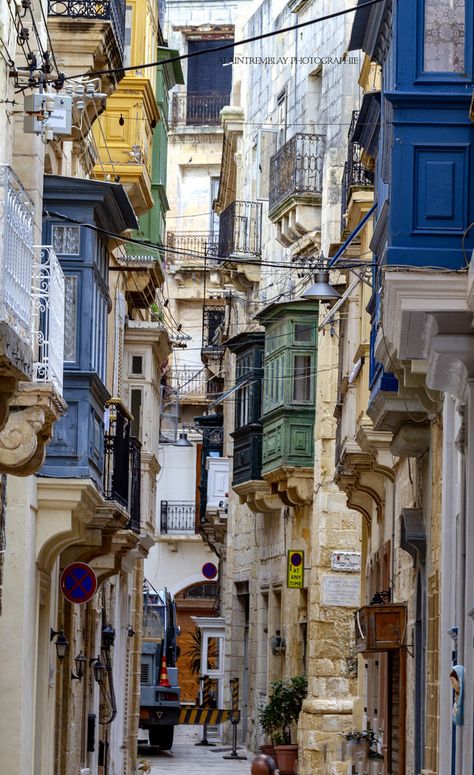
{"points": [[209, 570], [78, 582]]}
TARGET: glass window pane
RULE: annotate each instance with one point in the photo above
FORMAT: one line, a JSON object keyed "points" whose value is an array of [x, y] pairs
{"points": [[66, 240], [70, 318], [303, 331], [302, 378], [444, 36]]}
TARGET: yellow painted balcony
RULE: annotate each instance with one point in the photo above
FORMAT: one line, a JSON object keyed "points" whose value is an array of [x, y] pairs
{"points": [[124, 136]]}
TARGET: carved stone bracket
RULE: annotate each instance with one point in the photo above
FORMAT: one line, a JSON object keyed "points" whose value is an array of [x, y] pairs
{"points": [[33, 411], [294, 486], [257, 495], [363, 478]]}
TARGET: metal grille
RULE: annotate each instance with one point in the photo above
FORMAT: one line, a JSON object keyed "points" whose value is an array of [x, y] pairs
{"points": [[117, 454], [197, 109], [357, 174], [199, 244], [297, 168], [16, 253], [113, 10], [240, 229], [212, 321], [178, 517], [48, 312], [145, 673], [135, 484]]}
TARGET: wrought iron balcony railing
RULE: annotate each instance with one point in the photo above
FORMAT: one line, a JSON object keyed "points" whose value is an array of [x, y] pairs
{"points": [[356, 175], [16, 254], [135, 484], [240, 230], [297, 168], [197, 109], [112, 10], [122, 466], [48, 313], [190, 382], [193, 247], [178, 517]]}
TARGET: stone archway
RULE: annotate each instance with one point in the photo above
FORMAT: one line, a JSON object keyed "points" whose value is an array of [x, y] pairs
{"points": [[197, 599]]}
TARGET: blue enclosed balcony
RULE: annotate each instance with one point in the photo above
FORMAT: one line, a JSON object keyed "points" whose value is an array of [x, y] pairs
{"points": [[77, 446]]}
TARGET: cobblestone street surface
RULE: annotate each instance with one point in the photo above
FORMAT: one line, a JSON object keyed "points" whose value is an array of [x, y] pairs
{"points": [[188, 759]]}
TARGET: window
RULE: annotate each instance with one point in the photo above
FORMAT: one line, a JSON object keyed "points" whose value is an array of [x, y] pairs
{"points": [[302, 378], [444, 36], [304, 331], [70, 318], [66, 240], [137, 364], [281, 118], [136, 410], [266, 148]]}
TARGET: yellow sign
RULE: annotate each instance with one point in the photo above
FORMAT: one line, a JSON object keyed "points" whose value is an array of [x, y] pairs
{"points": [[295, 569]]}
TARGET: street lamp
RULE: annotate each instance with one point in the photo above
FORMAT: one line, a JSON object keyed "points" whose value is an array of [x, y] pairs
{"points": [[108, 636], [61, 642], [321, 290], [80, 662], [99, 670], [183, 440]]}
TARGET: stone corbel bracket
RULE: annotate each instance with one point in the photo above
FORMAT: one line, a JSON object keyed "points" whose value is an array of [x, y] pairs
{"points": [[33, 411], [294, 486], [257, 496], [363, 479]]}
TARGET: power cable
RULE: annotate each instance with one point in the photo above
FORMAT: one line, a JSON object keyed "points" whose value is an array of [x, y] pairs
{"points": [[263, 36]]}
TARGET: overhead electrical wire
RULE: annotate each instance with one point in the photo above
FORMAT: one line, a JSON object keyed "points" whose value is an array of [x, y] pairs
{"points": [[233, 44]]}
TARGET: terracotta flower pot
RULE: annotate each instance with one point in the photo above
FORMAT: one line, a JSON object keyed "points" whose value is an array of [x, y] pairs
{"points": [[268, 750], [286, 758]]}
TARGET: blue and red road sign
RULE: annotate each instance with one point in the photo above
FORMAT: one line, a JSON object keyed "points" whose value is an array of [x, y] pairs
{"points": [[78, 582], [209, 570]]}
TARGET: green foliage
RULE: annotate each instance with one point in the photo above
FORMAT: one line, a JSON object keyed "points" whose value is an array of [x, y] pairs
{"points": [[194, 653], [283, 708]]}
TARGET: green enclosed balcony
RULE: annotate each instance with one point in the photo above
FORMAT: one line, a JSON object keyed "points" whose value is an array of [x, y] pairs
{"points": [[290, 363]]}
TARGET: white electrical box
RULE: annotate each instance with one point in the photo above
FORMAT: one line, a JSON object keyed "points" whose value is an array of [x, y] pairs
{"points": [[217, 482], [48, 111]]}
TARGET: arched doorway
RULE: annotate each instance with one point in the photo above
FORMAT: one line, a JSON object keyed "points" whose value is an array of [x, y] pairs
{"points": [[196, 600]]}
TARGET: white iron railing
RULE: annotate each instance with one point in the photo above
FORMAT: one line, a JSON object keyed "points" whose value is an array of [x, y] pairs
{"points": [[16, 253], [48, 311]]}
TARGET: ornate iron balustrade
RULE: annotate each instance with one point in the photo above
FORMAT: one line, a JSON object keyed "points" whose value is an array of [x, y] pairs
{"points": [[297, 168], [122, 467], [135, 484], [190, 381], [178, 517], [48, 313], [240, 230], [197, 109], [212, 321], [199, 244], [16, 254], [357, 174], [112, 10]]}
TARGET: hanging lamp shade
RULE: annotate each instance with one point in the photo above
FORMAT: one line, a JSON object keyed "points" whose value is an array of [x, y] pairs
{"points": [[321, 290], [183, 440]]}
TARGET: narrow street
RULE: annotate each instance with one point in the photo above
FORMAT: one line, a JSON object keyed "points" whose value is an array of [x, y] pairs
{"points": [[188, 759]]}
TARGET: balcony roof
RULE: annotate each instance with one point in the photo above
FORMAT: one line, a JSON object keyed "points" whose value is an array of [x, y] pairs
{"points": [[112, 209]]}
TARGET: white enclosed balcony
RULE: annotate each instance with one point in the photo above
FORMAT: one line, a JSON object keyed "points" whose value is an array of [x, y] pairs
{"points": [[31, 334], [16, 254]]}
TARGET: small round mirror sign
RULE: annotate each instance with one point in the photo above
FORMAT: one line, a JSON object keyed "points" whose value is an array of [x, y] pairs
{"points": [[78, 582], [209, 571]]}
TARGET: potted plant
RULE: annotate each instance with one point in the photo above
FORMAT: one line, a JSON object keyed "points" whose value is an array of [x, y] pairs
{"points": [[283, 708], [268, 719]]}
